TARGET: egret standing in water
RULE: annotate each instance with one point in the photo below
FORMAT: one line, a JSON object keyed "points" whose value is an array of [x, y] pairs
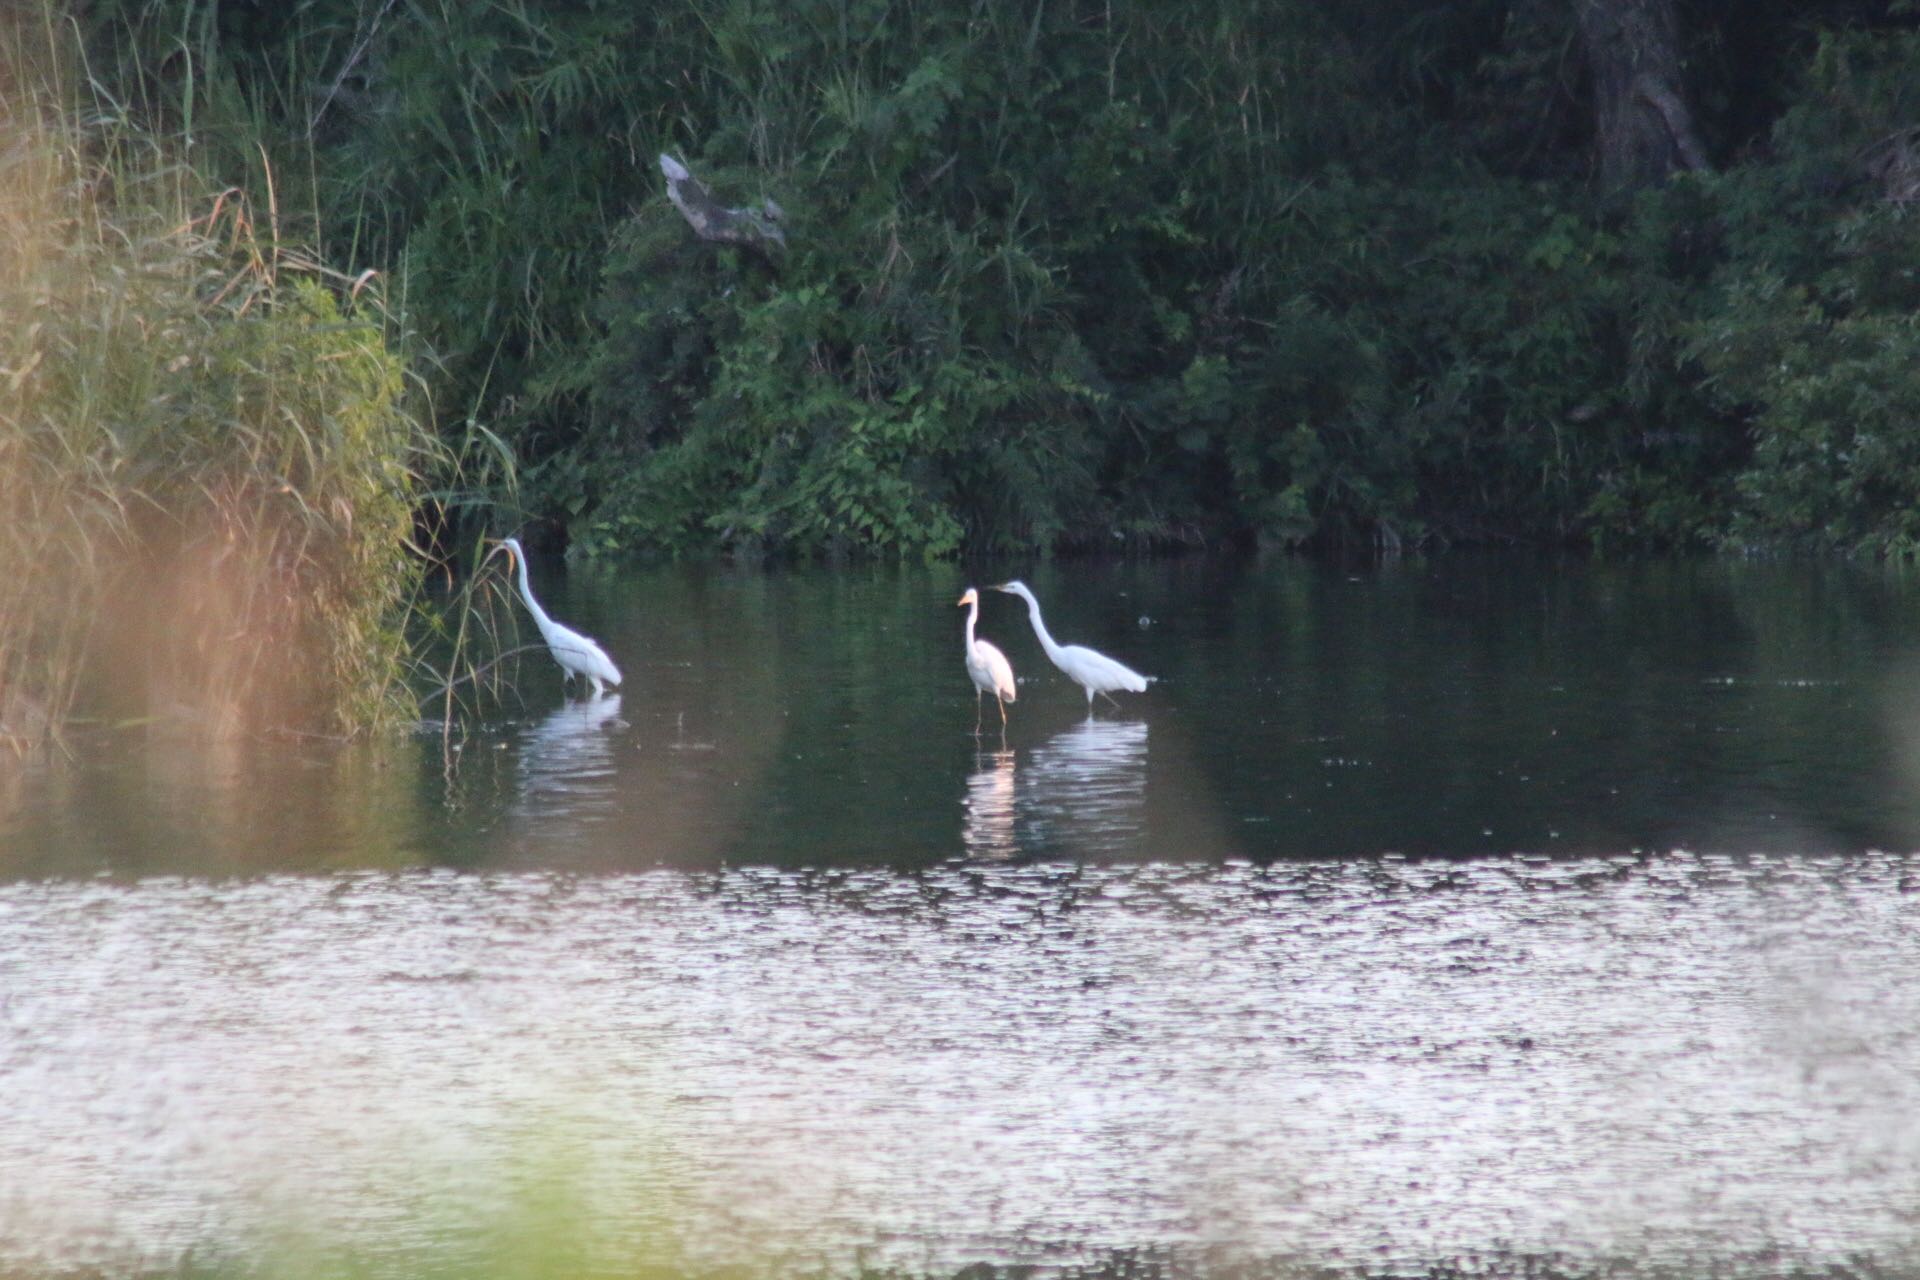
{"points": [[576, 654], [987, 666], [1092, 671]]}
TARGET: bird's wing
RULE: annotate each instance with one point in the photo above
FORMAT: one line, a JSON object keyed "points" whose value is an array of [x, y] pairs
{"points": [[998, 667], [578, 653], [1102, 671]]}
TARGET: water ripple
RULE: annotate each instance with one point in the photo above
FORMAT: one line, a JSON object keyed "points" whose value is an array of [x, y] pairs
{"points": [[1381, 1059]]}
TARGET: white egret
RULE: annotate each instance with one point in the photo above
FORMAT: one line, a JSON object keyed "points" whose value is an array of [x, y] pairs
{"points": [[988, 667], [1095, 672], [576, 654]]}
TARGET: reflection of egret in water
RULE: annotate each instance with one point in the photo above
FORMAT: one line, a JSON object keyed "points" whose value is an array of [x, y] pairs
{"points": [[989, 806], [1081, 792], [1086, 788], [566, 760]]}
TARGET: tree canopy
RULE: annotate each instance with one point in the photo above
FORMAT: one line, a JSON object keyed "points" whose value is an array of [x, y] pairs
{"points": [[1098, 273]]}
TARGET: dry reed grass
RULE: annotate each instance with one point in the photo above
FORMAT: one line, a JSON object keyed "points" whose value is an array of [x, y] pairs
{"points": [[210, 459]]}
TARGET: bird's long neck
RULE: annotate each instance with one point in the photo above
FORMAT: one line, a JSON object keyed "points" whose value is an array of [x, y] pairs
{"points": [[973, 615], [526, 593], [1040, 628]]}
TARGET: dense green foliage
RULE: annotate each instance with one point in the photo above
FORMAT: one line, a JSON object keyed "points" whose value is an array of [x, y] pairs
{"points": [[1094, 274], [208, 472]]}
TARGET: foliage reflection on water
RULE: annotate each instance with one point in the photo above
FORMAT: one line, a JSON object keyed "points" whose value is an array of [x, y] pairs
{"points": [[1459, 707]]}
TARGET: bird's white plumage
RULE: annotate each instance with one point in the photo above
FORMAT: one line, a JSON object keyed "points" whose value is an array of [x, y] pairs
{"points": [[1091, 670], [577, 654], [991, 671], [987, 667]]}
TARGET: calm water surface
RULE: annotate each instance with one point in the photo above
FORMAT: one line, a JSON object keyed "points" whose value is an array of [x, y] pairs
{"points": [[1476, 906]]}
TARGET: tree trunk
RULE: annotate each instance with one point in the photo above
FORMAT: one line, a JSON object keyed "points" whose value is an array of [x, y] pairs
{"points": [[1643, 127]]}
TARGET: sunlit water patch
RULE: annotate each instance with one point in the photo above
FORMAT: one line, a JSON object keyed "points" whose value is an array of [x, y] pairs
{"points": [[1376, 1062]]}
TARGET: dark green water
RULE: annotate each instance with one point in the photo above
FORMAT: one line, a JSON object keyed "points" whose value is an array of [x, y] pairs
{"points": [[1479, 909], [1454, 707]]}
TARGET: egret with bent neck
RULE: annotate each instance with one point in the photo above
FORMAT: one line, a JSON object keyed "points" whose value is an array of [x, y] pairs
{"points": [[1091, 670], [577, 654]]}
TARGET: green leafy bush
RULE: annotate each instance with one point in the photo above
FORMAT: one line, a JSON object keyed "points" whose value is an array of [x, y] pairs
{"points": [[1105, 275], [1809, 338]]}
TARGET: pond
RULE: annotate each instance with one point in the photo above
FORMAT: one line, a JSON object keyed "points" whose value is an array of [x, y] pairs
{"points": [[1475, 907]]}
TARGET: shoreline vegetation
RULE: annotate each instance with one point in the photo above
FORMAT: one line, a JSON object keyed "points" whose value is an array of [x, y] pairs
{"points": [[212, 462], [1614, 274], [307, 297]]}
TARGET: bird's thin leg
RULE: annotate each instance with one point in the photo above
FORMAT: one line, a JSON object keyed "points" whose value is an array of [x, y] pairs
{"points": [[978, 711], [1003, 711], [1109, 697]]}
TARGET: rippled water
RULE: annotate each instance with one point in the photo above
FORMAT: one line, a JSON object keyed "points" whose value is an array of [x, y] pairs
{"points": [[1460, 909]]}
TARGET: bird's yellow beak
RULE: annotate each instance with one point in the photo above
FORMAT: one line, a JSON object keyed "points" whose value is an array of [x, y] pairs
{"points": [[968, 598]]}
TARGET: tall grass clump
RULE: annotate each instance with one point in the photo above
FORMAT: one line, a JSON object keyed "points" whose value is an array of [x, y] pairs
{"points": [[208, 463]]}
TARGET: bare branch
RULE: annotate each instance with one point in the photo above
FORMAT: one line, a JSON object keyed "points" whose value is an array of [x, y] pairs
{"points": [[757, 228]]}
